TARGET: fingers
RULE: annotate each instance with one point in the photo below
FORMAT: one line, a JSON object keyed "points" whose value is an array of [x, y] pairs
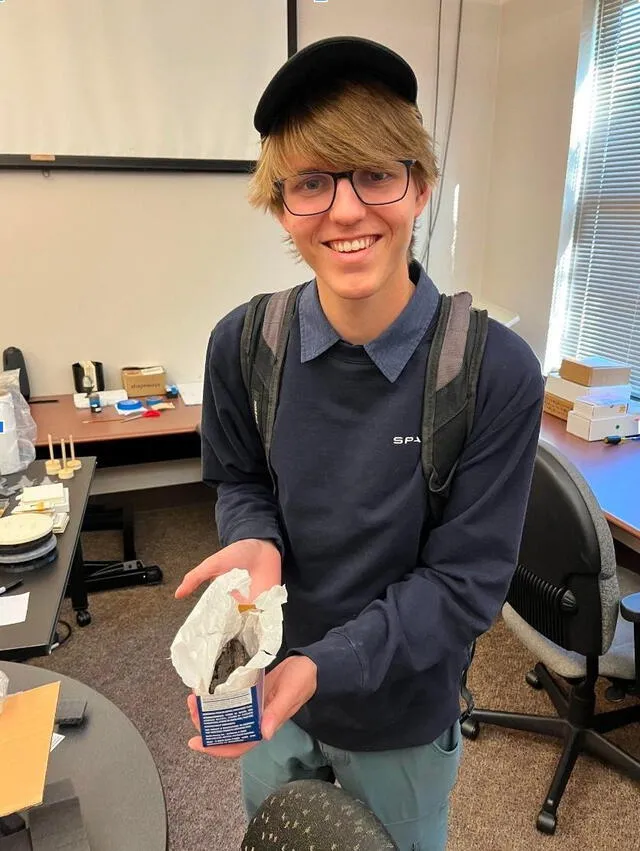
{"points": [[207, 569], [282, 705], [222, 751], [192, 704], [287, 688]]}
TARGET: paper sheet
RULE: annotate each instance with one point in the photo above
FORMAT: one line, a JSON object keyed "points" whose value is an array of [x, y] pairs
{"points": [[26, 726], [191, 392], [13, 608], [55, 740]]}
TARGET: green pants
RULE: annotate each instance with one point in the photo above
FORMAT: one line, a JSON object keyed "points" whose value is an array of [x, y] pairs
{"points": [[408, 789]]}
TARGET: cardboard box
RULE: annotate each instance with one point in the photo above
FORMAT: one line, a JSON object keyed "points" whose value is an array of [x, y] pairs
{"points": [[570, 390], [232, 718], [595, 371], [598, 407], [144, 381], [598, 429], [556, 406]]}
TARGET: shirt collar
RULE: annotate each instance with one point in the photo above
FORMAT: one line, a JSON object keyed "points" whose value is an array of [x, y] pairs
{"points": [[392, 349]]}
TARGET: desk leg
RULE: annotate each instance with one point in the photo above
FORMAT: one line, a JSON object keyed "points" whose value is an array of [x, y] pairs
{"points": [[128, 533], [78, 588]]}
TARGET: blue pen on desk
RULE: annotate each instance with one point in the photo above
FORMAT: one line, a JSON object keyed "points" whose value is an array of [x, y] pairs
{"points": [[6, 588]]}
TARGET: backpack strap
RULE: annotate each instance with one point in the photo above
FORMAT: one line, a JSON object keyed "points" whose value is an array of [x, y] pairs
{"points": [[263, 344], [453, 367]]}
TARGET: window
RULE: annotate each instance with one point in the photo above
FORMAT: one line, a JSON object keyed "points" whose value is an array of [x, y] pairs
{"points": [[596, 302]]}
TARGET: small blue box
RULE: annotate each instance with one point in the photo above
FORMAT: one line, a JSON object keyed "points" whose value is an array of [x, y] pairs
{"points": [[231, 718]]}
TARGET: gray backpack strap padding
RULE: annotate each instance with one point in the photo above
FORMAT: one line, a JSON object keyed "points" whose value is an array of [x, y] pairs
{"points": [[263, 345], [453, 367]]}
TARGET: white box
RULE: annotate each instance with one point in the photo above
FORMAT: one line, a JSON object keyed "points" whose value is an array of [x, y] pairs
{"points": [[598, 429], [599, 408], [571, 391]]}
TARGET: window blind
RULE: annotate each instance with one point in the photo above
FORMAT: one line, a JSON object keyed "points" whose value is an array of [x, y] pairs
{"points": [[596, 307]]}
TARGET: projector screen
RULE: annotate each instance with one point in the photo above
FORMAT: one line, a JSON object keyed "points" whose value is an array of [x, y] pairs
{"points": [[87, 81]]}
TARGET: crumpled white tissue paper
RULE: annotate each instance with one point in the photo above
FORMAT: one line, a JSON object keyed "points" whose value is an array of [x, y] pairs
{"points": [[215, 620]]}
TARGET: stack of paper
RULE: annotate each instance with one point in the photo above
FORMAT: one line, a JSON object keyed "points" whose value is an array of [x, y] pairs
{"points": [[191, 392], [47, 499]]}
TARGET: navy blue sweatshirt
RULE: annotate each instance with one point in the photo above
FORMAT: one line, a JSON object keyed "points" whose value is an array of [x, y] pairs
{"points": [[386, 611]]}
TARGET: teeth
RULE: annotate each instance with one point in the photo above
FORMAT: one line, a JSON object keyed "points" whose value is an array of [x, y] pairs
{"points": [[353, 245]]}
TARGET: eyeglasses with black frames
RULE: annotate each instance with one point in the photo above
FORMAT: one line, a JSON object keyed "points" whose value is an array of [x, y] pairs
{"points": [[313, 192]]}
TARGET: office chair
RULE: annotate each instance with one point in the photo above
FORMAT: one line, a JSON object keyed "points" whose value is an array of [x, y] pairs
{"points": [[564, 604], [315, 814]]}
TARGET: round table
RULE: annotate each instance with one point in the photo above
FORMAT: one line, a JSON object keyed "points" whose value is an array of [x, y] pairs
{"points": [[112, 770]]}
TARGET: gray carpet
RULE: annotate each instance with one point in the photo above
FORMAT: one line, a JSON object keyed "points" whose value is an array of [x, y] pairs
{"points": [[124, 654]]}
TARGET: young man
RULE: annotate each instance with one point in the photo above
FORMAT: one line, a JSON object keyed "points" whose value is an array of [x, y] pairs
{"points": [[383, 606]]}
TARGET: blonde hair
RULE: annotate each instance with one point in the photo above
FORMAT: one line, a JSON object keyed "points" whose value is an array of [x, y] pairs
{"points": [[362, 124]]}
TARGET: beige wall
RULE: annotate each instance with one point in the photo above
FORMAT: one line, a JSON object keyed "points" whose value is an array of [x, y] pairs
{"points": [[137, 268], [536, 80]]}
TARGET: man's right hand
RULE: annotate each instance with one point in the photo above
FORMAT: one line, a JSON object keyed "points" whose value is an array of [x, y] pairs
{"points": [[261, 558]]}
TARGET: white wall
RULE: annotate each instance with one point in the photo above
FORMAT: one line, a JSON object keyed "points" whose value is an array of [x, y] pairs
{"points": [[137, 268], [539, 42]]}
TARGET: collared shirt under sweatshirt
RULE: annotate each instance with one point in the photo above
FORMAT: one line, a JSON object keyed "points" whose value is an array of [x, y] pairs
{"points": [[386, 610]]}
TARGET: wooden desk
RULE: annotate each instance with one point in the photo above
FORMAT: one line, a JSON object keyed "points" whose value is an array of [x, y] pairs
{"points": [[613, 473], [168, 454], [61, 418]]}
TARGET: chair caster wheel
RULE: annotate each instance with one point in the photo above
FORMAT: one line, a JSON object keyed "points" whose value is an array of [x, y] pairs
{"points": [[546, 822], [470, 729], [614, 694], [83, 618], [154, 575], [533, 680]]}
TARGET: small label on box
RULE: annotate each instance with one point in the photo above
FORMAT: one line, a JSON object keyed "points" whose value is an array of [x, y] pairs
{"points": [[556, 407], [232, 718]]}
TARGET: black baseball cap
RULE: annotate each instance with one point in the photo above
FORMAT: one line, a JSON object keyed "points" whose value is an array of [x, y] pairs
{"points": [[317, 68]]}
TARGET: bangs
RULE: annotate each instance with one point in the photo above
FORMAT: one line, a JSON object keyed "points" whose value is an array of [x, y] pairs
{"points": [[363, 125]]}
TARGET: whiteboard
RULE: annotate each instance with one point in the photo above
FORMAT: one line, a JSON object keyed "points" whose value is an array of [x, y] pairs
{"points": [[176, 79]]}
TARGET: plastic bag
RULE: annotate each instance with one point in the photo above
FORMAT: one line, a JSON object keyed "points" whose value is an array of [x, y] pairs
{"points": [[18, 430]]}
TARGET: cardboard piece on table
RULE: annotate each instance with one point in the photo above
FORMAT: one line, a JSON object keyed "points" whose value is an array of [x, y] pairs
{"points": [[26, 726]]}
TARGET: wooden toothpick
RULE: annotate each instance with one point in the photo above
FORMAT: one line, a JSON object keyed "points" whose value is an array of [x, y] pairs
{"points": [[66, 472], [74, 463], [52, 466]]}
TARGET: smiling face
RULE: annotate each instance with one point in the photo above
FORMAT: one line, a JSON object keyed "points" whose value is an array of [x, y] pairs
{"points": [[356, 250]]}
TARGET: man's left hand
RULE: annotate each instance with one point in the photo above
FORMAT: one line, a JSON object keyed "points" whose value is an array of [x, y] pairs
{"points": [[286, 689]]}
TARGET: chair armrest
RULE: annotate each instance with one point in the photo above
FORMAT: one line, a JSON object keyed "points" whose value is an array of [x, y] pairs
{"points": [[630, 607]]}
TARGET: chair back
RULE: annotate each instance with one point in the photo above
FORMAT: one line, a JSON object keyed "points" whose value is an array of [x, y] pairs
{"points": [[565, 585], [315, 814]]}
